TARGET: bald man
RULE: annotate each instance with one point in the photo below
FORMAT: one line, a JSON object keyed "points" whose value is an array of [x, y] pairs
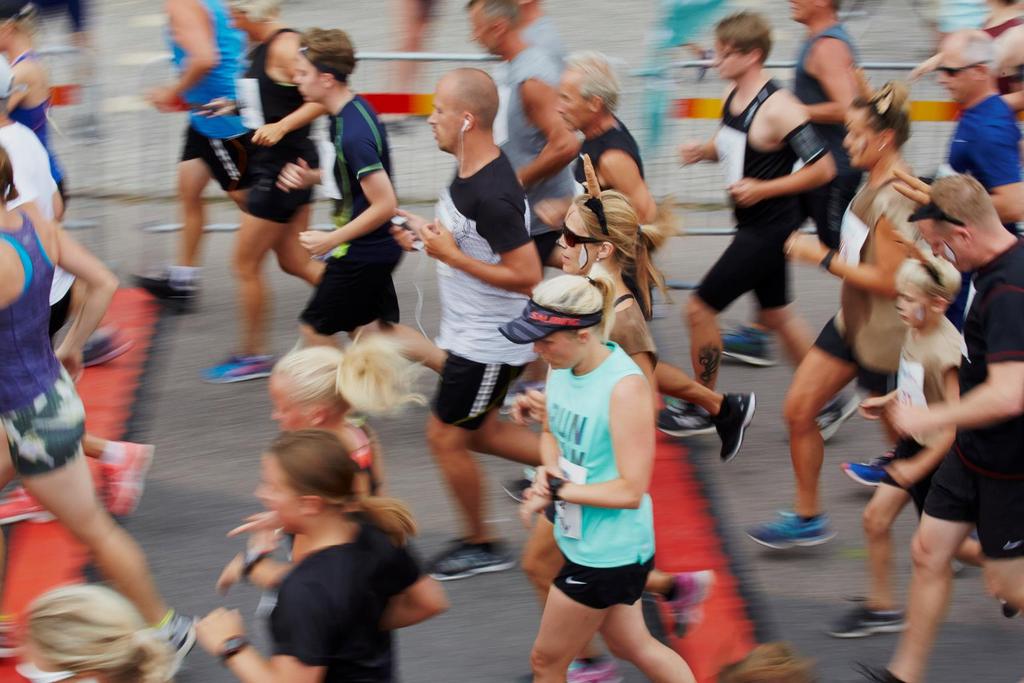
{"points": [[487, 266]]}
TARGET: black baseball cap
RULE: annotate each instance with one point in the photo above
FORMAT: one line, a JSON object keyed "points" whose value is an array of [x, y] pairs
{"points": [[931, 211]]}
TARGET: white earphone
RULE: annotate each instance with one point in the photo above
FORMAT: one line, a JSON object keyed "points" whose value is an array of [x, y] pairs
{"points": [[465, 126]]}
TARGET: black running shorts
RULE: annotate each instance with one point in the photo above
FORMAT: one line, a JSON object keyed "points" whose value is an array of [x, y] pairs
{"points": [[752, 262], [872, 381], [352, 294], [265, 199], [908, 448], [59, 313], [996, 506], [603, 588], [468, 391], [228, 160]]}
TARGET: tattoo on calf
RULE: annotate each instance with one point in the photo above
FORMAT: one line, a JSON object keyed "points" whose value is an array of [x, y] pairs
{"points": [[709, 357]]}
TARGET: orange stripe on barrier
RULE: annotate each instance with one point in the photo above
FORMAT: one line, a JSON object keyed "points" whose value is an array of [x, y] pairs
{"points": [[44, 556], [63, 95]]}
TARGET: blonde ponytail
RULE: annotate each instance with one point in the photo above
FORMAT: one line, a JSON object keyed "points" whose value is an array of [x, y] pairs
{"points": [[371, 376], [580, 295], [90, 628], [391, 516]]}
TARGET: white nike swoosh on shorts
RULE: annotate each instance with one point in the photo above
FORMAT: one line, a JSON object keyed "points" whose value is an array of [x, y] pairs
{"points": [[573, 582]]}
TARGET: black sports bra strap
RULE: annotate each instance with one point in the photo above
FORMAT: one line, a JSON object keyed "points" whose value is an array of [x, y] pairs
{"points": [[623, 298]]}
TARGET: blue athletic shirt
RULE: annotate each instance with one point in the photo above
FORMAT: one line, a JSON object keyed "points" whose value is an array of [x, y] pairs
{"points": [[578, 413], [361, 146], [220, 81], [986, 144]]}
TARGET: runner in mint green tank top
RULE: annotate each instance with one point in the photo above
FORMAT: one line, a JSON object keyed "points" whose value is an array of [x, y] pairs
{"points": [[597, 450]]}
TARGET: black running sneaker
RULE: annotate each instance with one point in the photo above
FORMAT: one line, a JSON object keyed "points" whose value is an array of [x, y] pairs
{"points": [[861, 622], [871, 673], [837, 411], [160, 286], [464, 559], [684, 419], [731, 423]]}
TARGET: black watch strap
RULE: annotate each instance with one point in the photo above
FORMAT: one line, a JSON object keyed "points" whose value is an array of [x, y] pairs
{"points": [[826, 263], [232, 646], [250, 559], [555, 485]]}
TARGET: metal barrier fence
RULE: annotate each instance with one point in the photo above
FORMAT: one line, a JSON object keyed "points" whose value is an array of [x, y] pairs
{"points": [[420, 170]]}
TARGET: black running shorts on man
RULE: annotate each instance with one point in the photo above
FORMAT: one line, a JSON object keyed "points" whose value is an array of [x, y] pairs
{"points": [[228, 160]]}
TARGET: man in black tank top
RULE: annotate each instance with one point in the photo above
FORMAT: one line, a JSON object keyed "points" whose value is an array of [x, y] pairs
{"points": [[764, 131], [588, 95]]}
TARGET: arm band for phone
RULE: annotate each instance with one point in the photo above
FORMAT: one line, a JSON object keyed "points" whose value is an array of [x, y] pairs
{"points": [[806, 142]]}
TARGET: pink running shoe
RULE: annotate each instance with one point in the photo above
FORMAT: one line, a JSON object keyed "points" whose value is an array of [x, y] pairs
{"points": [[598, 670], [126, 480], [19, 506], [691, 590]]}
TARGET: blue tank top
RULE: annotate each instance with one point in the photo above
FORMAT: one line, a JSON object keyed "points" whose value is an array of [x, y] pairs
{"points": [[810, 91], [35, 119], [220, 81], [28, 366], [578, 419]]}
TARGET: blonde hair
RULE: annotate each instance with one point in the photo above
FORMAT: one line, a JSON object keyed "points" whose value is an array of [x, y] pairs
{"points": [[634, 244], [599, 78], [257, 10], [963, 197], [770, 663], [580, 295], [371, 375], [90, 628], [746, 32], [933, 276], [316, 463], [888, 109]]}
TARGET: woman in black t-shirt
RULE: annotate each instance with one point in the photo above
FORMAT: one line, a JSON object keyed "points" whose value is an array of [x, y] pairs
{"points": [[336, 608]]}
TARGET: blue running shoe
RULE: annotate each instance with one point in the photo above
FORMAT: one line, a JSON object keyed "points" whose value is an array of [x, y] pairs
{"points": [[789, 531], [239, 369], [864, 473], [749, 345]]}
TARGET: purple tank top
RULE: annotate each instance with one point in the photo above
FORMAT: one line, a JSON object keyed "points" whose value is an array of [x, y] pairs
{"points": [[28, 366]]}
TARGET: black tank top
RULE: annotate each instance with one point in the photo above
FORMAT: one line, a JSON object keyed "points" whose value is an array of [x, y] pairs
{"points": [[616, 137], [278, 99], [781, 214]]}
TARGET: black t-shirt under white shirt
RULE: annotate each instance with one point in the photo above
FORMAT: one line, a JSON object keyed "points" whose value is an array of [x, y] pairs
{"points": [[488, 215], [994, 333], [329, 607]]}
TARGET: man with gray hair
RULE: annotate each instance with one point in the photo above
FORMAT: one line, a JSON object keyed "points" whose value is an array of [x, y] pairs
{"points": [[587, 99], [986, 143], [980, 484], [528, 128]]}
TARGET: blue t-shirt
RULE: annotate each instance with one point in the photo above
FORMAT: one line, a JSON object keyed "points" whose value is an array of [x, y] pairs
{"points": [[986, 144], [362, 148]]}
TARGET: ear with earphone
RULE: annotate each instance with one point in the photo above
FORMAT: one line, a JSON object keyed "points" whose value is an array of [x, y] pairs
{"points": [[465, 125]]}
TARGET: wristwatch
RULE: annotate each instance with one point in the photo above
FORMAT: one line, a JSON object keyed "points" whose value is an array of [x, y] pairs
{"points": [[232, 646], [251, 558], [826, 262], [555, 485]]}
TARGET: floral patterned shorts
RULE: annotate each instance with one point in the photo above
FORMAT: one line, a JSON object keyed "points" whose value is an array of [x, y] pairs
{"points": [[46, 434]]}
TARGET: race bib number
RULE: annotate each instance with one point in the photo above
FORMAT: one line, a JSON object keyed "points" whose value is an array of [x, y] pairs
{"points": [[250, 106], [570, 515], [910, 383], [852, 236], [731, 146]]}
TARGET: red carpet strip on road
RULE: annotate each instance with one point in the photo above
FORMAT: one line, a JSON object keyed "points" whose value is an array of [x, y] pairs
{"points": [[44, 556], [687, 540]]}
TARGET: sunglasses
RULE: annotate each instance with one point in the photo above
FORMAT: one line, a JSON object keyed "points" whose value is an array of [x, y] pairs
{"points": [[954, 70], [571, 239]]}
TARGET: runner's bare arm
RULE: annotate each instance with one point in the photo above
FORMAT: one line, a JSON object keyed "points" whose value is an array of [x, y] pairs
{"points": [[1000, 397], [101, 284], [631, 422], [1015, 100], [1009, 202], [282, 57], [518, 270], [785, 116], [561, 146], [619, 172], [383, 203], [694, 152], [191, 29], [248, 665], [417, 603], [832, 64], [912, 470]]}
